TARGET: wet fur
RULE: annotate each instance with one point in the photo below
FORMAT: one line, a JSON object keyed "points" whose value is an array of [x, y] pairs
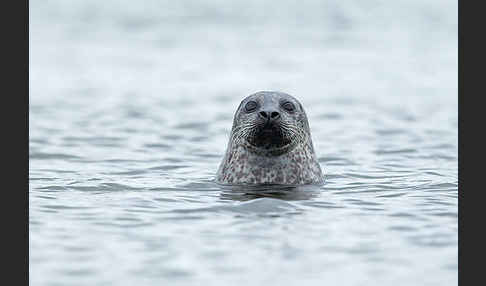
{"points": [[285, 156]]}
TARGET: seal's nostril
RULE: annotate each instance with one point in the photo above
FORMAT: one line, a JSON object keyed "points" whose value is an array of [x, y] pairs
{"points": [[263, 114], [275, 115]]}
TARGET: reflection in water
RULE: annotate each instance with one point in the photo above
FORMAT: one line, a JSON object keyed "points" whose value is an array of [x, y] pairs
{"points": [[288, 193]]}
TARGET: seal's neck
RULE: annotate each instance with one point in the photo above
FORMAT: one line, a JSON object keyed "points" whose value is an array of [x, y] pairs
{"points": [[242, 166], [274, 158]]}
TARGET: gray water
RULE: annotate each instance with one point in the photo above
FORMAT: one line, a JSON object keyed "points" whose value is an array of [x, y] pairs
{"points": [[131, 105]]}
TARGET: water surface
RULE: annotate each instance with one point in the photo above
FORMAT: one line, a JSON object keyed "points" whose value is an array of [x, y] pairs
{"points": [[131, 106]]}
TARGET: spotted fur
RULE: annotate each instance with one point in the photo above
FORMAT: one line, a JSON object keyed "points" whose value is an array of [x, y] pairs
{"points": [[293, 164]]}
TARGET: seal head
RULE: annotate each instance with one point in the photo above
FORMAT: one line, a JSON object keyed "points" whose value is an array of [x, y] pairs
{"points": [[270, 143]]}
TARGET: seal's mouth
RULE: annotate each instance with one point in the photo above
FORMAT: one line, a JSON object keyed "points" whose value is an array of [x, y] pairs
{"points": [[269, 136]]}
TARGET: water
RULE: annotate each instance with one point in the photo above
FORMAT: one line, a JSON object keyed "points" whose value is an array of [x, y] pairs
{"points": [[131, 105]]}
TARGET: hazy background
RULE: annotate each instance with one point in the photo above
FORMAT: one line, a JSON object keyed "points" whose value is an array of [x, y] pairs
{"points": [[131, 104], [313, 49]]}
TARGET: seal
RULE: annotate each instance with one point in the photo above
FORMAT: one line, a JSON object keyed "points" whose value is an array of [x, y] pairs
{"points": [[270, 143]]}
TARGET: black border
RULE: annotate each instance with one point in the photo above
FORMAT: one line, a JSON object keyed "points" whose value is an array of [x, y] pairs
{"points": [[14, 124], [460, 108]]}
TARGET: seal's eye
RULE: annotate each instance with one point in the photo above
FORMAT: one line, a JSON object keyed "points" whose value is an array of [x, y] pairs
{"points": [[289, 106], [250, 106]]}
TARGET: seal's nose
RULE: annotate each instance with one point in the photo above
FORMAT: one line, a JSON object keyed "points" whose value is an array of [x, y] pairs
{"points": [[269, 115]]}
